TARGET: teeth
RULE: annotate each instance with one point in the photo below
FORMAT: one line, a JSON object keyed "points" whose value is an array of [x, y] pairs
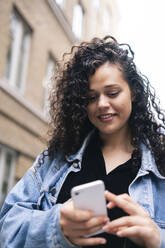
{"points": [[105, 116]]}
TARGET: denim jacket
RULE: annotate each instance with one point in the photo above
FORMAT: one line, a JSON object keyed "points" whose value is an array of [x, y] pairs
{"points": [[30, 216]]}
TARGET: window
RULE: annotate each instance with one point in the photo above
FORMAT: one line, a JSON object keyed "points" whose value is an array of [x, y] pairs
{"points": [[106, 21], [77, 23], [96, 4], [18, 51], [49, 74], [61, 3], [7, 168]]}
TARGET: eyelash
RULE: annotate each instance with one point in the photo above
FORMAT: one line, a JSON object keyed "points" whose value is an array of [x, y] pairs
{"points": [[111, 95], [92, 98]]}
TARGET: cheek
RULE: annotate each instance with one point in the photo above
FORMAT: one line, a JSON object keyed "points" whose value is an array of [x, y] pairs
{"points": [[90, 108], [127, 108], [89, 111], [125, 105], [91, 114]]}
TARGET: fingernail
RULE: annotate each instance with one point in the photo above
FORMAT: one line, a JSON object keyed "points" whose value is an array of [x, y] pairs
{"points": [[103, 241], [106, 219], [119, 233], [105, 228]]}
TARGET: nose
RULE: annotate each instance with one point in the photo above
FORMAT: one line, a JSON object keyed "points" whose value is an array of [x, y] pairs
{"points": [[103, 102]]}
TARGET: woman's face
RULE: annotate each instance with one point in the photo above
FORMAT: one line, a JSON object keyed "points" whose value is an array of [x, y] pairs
{"points": [[110, 102]]}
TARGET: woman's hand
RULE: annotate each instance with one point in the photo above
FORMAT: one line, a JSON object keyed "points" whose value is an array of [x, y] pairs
{"points": [[138, 226], [76, 223]]}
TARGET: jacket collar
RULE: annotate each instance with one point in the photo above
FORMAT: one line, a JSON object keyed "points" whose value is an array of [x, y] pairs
{"points": [[78, 155], [148, 162]]}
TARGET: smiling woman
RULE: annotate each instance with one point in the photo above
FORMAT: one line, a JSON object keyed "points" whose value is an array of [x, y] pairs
{"points": [[109, 110], [103, 127]]}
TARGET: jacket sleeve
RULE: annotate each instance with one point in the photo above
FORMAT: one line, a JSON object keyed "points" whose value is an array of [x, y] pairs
{"points": [[162, 233], [22, 224]]}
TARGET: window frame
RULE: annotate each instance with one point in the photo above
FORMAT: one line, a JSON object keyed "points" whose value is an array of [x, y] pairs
{"points": [[62, 4], [18, 51], [76, 28], [4, 150]]}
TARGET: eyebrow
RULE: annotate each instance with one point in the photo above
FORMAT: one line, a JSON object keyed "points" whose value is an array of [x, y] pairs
{"points": [[106, 87]]}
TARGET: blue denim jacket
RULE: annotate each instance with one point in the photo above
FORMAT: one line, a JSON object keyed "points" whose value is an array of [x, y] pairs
{"points": [[30, 216]]}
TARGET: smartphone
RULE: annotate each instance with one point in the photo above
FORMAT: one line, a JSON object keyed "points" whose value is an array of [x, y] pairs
{"points": [[90, 196]]}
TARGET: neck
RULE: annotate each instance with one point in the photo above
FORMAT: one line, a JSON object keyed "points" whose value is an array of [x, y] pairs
{"points": [[120, 140]]}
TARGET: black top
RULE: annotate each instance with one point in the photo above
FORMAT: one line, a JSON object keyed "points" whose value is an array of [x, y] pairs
{"points": [[117, 182]]}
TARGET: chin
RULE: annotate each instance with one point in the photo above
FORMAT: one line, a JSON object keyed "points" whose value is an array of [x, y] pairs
{"points": [[106, 132]]}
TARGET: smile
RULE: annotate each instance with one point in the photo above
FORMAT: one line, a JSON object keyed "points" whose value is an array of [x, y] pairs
{"points": [[106, 117]]}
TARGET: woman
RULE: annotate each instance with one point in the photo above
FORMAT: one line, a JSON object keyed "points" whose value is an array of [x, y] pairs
{"points": [[105, 125]]}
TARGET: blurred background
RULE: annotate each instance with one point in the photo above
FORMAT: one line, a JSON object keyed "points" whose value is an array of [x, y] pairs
{"points": [[33, 37]]}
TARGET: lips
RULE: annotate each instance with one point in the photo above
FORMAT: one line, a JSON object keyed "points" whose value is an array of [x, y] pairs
{"points": [[106, 117]]}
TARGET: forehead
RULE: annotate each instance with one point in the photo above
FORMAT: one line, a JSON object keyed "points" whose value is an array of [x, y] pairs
{"points": [[107, 75]]}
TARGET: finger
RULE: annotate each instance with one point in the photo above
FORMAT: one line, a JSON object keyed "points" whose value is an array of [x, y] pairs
{"points": [[131, 231], [88, 241], [76, 215], [110, 197], [95, 221], [82, 233], [135, 233], [111, 205], [125, 202], [83, 228], [127, 221], [143, 236]]}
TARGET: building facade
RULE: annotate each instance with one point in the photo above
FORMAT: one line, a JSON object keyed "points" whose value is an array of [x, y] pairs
{"points": [[33, 36]]}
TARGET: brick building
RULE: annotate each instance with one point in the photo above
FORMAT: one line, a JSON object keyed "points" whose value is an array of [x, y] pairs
{"points": [[33, 35]]}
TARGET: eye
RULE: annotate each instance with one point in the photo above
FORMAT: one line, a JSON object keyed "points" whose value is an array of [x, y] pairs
{"points": [[113, 94], [92, 98]]}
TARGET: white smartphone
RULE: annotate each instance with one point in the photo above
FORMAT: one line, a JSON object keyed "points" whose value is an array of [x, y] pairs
{"points": [[90, 196]]}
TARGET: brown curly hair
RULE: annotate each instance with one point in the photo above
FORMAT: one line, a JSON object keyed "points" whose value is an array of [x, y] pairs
{"points": [[69, 100]]}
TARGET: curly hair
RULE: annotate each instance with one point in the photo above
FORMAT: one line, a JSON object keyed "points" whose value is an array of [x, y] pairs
{"points": [[69, 100]]}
